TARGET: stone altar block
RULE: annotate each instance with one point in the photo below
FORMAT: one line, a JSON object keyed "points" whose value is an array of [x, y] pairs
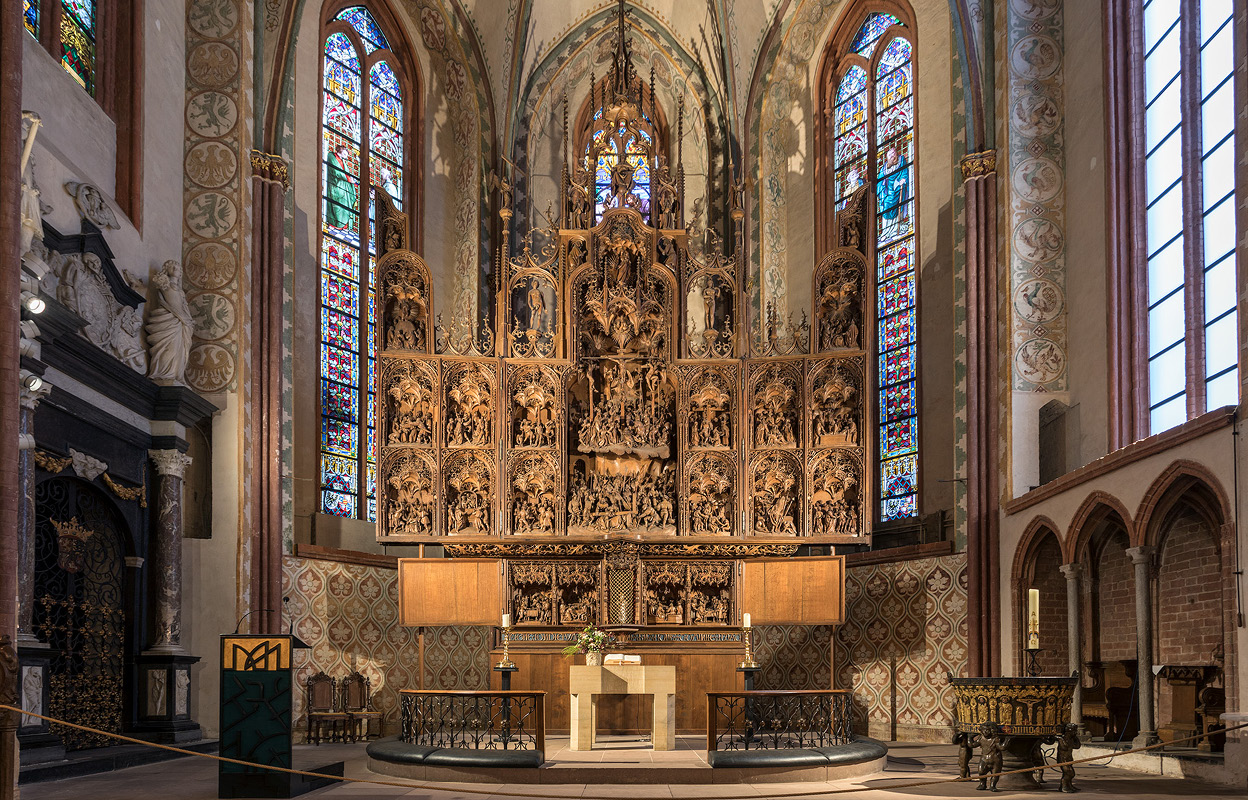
{"points": [[585, 683]]}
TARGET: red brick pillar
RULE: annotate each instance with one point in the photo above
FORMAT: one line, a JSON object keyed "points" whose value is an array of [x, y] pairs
{"points": [[983, 484]]}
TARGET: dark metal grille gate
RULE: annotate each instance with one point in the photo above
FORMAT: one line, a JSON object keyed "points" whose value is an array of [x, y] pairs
{"points": [[79, 607]]}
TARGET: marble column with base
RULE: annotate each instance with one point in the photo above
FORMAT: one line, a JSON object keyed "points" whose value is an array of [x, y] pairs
{"points": [[38, 743], [1142, 559], [164, 669], [1073, 573], [585, 683]]}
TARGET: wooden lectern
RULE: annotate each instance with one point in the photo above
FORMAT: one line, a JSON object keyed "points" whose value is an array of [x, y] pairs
{"points": [[256, 724]]}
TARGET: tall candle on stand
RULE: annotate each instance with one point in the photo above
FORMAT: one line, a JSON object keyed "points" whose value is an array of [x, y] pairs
{"points": [[1033, 619], [745, 621], [506, 620]]}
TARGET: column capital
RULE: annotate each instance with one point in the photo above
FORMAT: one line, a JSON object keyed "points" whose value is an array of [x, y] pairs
{"points": [[1142, 554], [170, 462], [1072, 572], [975, 165], [30, 397], [270, 167]]}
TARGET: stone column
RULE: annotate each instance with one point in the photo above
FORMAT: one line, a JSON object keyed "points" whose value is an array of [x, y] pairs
{"points": [[1073, 574], [165, 557], [26, 517], [1142, 558]]}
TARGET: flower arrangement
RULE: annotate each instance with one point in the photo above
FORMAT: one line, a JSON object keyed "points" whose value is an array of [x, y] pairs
{"points": [[591, 640]]}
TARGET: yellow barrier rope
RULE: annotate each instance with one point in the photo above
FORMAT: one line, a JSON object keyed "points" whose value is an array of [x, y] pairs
{"points": [[496, 793]]}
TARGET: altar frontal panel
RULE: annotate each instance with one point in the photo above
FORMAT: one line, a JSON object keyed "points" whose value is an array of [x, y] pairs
{"points": [[463, 591], [794, 591]]}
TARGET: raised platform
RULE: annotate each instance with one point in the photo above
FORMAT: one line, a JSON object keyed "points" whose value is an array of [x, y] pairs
{"points": [[631, 760]]}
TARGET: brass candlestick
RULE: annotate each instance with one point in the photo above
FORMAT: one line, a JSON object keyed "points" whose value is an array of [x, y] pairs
{"points": [[749, 662], [506, 662]]}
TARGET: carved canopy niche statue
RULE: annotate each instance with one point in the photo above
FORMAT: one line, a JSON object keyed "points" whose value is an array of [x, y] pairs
{"points": [[613, 392]]}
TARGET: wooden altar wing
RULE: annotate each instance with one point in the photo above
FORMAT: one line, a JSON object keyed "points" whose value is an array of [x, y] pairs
{"points": [[794, 591], [462, 591]]}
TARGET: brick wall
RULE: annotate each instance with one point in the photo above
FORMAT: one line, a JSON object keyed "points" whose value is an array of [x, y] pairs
{"points": [[1049, 580], [1188, 600], [1115, 574]]}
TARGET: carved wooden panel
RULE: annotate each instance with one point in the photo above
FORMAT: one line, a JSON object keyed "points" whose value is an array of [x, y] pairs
{"points": [[775, 404], [834, 399], [406, 302], [775, 503], [709, 500], [838, 298], [409, 489], [535, 417], [409, 399], [469, 492], [470, 395], [708, 405], [532, 499], [836, 493]]}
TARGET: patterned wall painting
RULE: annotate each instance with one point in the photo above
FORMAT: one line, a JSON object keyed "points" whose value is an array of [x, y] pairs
{"points": [[793, 656], [348, 613], [1035, 183], [214, 203], [905, 629], [904, 626]]}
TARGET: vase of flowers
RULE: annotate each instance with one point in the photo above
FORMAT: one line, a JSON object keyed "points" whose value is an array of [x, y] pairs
{"points": [[593, 643]]}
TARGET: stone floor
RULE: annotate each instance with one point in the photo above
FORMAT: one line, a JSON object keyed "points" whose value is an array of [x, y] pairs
{"points": [[196, 779]]}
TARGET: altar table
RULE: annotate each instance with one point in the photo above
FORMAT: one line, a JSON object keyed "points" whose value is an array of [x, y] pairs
{"points": [[585, 682]]}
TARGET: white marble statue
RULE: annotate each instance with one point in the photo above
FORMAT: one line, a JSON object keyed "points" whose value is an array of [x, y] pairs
{"points": [[32, 207], [169, 326]]}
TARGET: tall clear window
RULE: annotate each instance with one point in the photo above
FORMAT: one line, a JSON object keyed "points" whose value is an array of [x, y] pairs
{"points": [[362, 153], [873, 130], [1190, 231]]}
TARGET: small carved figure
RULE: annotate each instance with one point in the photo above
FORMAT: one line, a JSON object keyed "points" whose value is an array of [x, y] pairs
{"points": [[537, 305], [966, 742], [1067, 744], [992, 744], [169, 326]]}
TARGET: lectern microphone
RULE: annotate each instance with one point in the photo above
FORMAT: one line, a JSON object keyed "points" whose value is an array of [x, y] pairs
{"points": [[249, 613]]}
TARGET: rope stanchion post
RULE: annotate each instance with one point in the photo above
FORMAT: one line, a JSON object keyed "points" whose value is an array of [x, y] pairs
{"points": [[460, 789]]}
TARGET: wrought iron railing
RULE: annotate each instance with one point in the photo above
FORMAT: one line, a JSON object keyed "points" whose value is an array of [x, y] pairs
{"points": [[778, 720], [473, 720]]}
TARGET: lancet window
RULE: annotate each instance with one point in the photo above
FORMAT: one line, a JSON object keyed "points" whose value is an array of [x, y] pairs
{"points": [[362, 153], [873, 147], [1189, 208]]}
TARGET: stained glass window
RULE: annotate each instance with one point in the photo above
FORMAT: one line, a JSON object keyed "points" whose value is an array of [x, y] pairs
{"points": [[873, 144], [361, 154], [1179, 330], [78, 41], [635, 155], [30, 16]]}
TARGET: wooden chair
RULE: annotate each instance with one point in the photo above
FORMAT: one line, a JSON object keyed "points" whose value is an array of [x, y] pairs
{"points": [[322, 715], [357, 702]]}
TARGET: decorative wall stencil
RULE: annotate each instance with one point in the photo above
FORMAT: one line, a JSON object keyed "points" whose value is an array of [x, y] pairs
{"points": [[905, 629], [349, 615], [457, 658], [1035, 183], [213, 196], [793, 657]]}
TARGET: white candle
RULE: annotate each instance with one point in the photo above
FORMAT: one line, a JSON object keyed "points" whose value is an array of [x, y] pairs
{"points": [[506, 620], [1033, 618], [745, 623]]}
